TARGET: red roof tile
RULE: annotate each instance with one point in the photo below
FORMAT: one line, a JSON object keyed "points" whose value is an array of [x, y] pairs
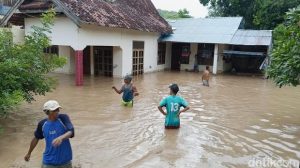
{"points": [[130, 14]]}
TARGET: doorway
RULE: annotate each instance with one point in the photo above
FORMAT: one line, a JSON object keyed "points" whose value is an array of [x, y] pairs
{"points": [[177, 55], [103, 59], [138, 58], [86, 61]]}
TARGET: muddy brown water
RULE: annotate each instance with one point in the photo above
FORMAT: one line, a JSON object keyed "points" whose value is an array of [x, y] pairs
{"points": [[236, 120]]}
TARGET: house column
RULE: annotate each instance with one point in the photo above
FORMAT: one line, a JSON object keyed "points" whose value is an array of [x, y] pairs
{"points": [[216, 53], [92, 60], [79, 67]]}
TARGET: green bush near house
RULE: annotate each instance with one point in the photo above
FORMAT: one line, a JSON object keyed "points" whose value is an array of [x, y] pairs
{"points": [[285, 57], [24, 67]]}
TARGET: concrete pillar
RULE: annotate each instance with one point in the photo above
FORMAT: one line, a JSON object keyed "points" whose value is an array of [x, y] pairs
{"points": [[92, 60], [79, 67], [216, 53]]}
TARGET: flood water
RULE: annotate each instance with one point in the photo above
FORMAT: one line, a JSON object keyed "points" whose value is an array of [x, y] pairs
{"points": [[236, 120]]}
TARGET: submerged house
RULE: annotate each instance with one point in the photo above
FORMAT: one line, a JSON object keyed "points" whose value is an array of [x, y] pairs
{"points": [[119, 37], [219, 42], [99, 37]]}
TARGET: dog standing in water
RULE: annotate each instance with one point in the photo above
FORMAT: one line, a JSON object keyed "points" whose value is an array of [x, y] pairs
{"points": [[128, 90], [173, 103]]}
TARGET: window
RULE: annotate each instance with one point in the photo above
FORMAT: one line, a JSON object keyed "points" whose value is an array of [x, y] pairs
{"points": [[161, 53], [138, 58], [185, 54], [51, 50], [206, 54]]}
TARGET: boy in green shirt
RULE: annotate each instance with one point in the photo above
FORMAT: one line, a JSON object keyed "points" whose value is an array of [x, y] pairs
{"points": [[173, 104]]}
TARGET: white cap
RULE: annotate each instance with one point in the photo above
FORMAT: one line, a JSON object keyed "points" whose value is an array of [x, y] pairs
{"points": [[51, 105]]}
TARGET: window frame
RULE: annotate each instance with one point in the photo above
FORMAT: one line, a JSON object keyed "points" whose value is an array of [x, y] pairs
{"points": [[161, 53]]}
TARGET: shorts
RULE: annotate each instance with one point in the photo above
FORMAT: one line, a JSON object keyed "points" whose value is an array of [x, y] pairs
{"points": [[67, 165], [172, 127], [127, 104], [205, 83]]}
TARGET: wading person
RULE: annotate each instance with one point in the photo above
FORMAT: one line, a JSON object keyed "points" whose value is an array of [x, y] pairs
{"points": [[128, 90], [173, 104], [56, 129], [206, 76]]}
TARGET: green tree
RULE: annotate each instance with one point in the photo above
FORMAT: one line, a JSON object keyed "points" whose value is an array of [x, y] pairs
{"points": [[24, 67], [270, 13], [227, 8], [285, 57], [258, 14], [182, 13]]}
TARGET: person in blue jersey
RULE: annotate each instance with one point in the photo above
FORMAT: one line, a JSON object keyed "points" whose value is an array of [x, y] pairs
{"points": [[173, 104], [129, 91], [56, 129]]}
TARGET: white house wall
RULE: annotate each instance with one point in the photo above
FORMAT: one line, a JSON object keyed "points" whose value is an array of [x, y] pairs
{"points": [[117, 62], [69, 67], [66, 33], [17, 33]]}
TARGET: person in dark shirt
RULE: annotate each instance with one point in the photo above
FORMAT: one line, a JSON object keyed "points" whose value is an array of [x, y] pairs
{"points": [[128, 90], [56, 129]]}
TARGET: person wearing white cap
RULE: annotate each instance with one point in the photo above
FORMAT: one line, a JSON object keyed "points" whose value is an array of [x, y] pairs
{"points": [[56, 129]]}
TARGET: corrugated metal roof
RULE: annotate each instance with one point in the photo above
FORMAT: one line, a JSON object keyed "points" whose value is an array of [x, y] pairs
{"points": [[252, 37], [245, 53], [219, 30], [4, 9]]}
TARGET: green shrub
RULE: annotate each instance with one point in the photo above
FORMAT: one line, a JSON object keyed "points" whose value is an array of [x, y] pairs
{"points": [[24, 67]]}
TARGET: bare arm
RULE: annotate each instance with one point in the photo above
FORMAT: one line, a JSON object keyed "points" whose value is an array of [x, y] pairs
{"points": [[116, 90], [184, 110], [57, 141], [33, 144], [161, 110], [135, 92]]}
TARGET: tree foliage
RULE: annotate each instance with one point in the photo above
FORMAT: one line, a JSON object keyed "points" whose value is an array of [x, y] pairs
{"points": [[285, 58], [270, 13], [226, 8], [24, 67], [258, 14], [182, 13]]}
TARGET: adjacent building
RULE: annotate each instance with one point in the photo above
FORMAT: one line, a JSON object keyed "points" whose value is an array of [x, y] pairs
{"points": [[119, 37], [219, 42]]}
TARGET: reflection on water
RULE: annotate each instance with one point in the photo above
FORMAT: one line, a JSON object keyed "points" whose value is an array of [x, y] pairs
{"points": [[233, 121]]}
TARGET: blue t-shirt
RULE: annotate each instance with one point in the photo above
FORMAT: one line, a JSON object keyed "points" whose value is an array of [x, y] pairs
{"points": [[173, 105], [127, 92], [50, 130]]}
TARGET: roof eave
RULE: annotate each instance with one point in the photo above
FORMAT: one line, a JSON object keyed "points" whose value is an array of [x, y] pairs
{"points": [[68, 13], [11, 11]]}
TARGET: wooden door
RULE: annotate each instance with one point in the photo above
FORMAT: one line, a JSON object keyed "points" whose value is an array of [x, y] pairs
{"points": [[137, 62]]}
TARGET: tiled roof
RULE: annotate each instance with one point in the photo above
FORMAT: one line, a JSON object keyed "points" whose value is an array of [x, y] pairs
{"points": [[35, 5], [129, 14]]}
